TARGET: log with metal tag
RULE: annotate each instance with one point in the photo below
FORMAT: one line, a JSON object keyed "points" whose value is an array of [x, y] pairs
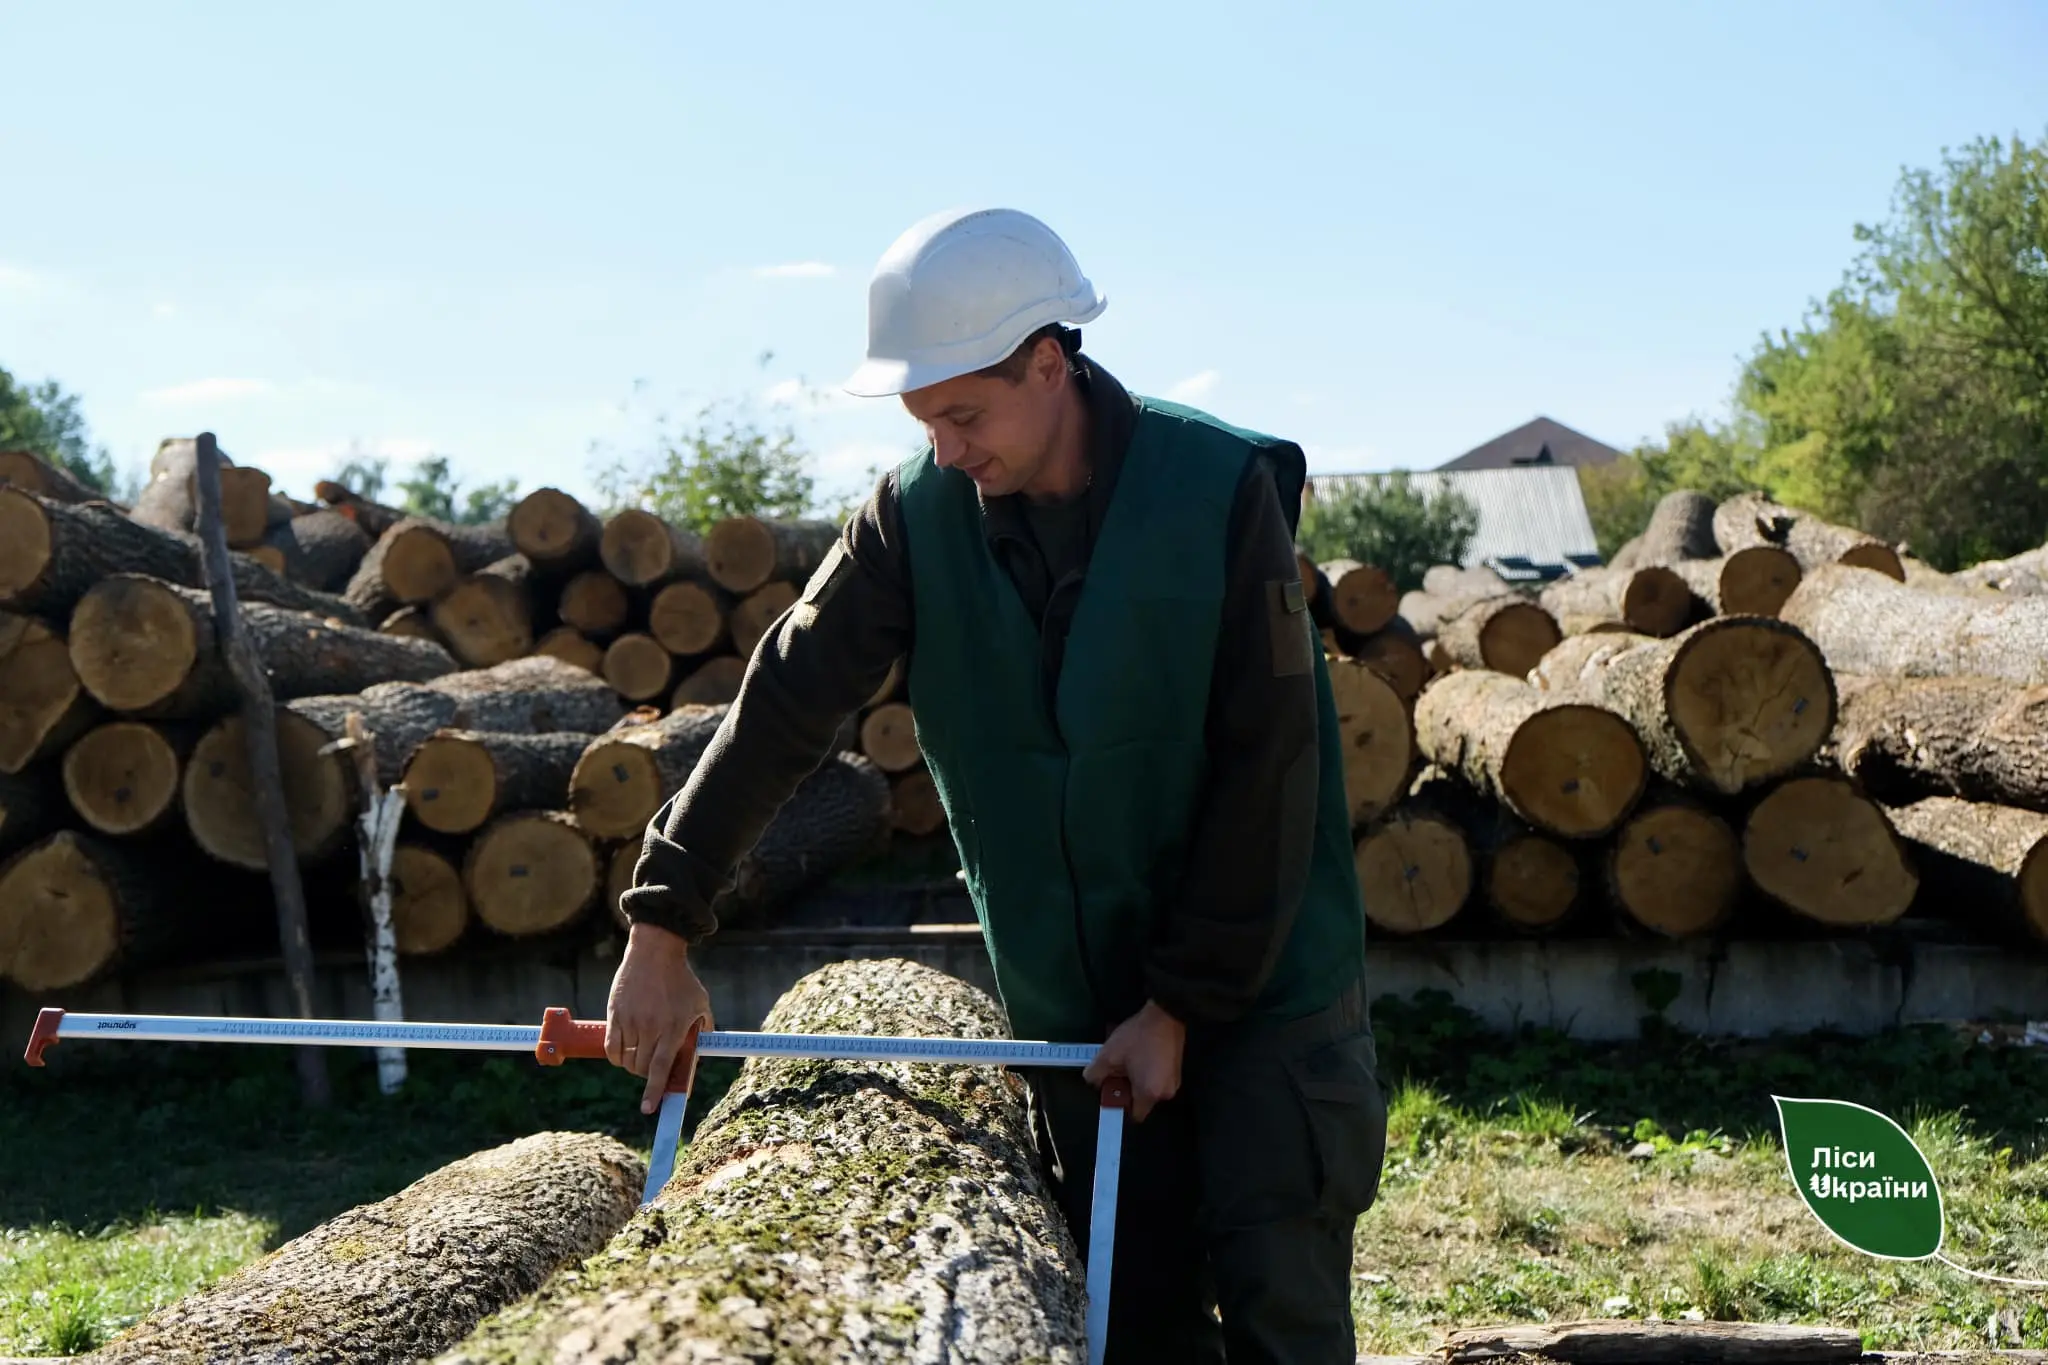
{"points": [[560, 1038]]}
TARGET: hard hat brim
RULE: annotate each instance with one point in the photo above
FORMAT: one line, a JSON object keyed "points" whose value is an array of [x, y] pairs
{"points": [[888, 376]]}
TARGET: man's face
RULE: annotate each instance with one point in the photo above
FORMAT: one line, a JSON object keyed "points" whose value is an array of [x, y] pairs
{"points": [[997, 433]]}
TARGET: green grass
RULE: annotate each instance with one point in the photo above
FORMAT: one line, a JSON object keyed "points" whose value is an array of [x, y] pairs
{"points": [[1509, 1191]]}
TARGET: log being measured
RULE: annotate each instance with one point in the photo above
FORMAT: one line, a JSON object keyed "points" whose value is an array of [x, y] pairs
{"points": [[456, 780], [411, 1275], [1568, 767], [1507, 634], [148, 648], [1730, 703], [1988, 864], [833, 1211], [1980, 739], [1864, 624], [1651, 600], [1753, 519], [43, 707], [1828, 853]]}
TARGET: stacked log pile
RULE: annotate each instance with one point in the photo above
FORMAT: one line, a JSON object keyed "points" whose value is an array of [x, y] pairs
{"points": [[1750, 722], [539, 685]]}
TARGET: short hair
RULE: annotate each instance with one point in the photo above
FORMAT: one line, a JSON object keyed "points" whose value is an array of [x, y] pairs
{"points": [[1010, 369]]}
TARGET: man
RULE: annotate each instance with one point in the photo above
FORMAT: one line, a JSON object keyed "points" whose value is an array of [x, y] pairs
{"points": [[1121, 700]]}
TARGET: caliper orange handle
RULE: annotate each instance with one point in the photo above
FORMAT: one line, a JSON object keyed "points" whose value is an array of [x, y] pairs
{"points": [[563, 1038], [44, 1033], [1116, 1093]]}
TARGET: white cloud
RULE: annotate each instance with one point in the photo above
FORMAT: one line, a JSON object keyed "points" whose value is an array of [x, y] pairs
{"points": [[208, 391], [15, 277], [1195, 386], [164, 310], [795, 270], [816, 397]]}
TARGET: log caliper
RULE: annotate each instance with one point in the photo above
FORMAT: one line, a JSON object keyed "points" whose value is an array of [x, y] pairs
{"points": [[560, 1038]]}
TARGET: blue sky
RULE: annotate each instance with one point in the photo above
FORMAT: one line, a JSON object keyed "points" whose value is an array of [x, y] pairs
{"points": [[516, 233]]}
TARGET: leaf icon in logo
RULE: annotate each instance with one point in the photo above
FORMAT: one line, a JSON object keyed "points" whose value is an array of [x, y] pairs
{"points": [[1863, 1177]]}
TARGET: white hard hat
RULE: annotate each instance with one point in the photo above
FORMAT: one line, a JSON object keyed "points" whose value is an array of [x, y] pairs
{"points": [[961, 290]]}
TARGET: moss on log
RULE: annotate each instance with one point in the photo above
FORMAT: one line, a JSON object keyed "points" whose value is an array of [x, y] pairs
{"points": [[1730, 703], [145, 647], [832, 1211], [1752, 519], [1989, 864], [1980, 739], [407, 1276], [1572, 768], [1865, 624]]}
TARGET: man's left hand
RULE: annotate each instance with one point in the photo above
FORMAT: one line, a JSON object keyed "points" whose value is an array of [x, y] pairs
{"points": [[1145, 1050]]}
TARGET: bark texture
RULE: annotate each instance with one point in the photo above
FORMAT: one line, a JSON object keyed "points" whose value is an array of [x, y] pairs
{"points": [[321, 549], [1753, 519], [408, 1276], [1651, 600], [1864, 624], [1571, 768], [1976, 738], [2024, 575], [1990, 863], [833, 1211], [835, 815], [1681, 527], [1731, 703], [51, 553], [149, 648], [1507, 634], [457, 780]]}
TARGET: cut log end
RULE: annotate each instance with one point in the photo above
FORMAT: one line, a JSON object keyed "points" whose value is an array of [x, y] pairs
{"points": [[413, 623], [914, 805], [1875, 555], [756, 613], [60, 915], [1656, 602], [548, 525], [429, 910], [714, 683], [419, 565], [1515, 638], [619, 880], [1757, 580], [42, 705], [686, 618], [122, 778], [1824, 851], [1396, 656], [26, 543], [1377, 738], [1750, 700], [531, 873], [637, 667], [571, 646], [594, 602], [888, 736], [451, 784], [133, 642], [220, 805], [615, 788], [1414, 872], [1676, 870], [741, 553], [640, 549], [485, 619], [1575, 770], [1363, 597], [1533, 881]]}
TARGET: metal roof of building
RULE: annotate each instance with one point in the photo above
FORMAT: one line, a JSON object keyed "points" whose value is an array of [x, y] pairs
{"points": [[1532, 519]]}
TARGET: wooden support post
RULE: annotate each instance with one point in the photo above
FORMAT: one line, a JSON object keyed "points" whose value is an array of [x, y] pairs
{"points": [[382, 812], [259, 724]]}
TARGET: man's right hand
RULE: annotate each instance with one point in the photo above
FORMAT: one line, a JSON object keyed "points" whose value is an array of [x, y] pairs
{"points": [[655, 998]]}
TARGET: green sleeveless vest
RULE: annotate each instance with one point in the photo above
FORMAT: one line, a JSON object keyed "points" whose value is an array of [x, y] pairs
{"points": [[1072, 821]]}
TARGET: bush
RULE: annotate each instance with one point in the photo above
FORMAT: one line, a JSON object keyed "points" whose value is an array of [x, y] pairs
{"points": [[1387, 521]]}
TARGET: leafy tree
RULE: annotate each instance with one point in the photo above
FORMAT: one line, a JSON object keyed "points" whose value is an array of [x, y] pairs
{"points": [[43, 418], [1386, 520], [363, 476], [724, 464], [1719, 460], [432, 491]]}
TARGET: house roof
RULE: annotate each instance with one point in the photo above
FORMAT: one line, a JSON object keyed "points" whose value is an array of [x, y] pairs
{"points": [[1532, 518], [1540, 442]]}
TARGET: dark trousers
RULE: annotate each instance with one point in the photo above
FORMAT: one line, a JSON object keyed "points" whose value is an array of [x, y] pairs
{"points": [[1238, 1196]]}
